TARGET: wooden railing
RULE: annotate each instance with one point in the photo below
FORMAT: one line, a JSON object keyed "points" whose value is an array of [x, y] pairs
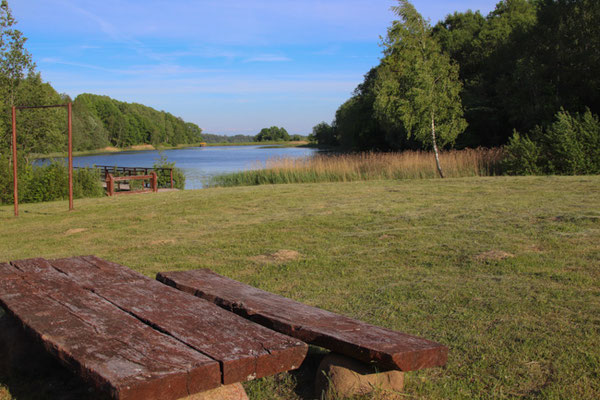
{"points": [[105, 170], [110, 183]]}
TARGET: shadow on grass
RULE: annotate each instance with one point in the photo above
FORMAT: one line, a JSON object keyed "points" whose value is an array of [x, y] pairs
{"points": [[305, 375]]}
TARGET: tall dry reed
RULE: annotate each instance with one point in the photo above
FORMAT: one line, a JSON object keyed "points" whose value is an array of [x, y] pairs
{"points": [[367, 166]]}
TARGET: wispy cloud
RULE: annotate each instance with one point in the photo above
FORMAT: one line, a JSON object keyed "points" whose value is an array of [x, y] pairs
{"points": [[105, 26], [268, 58], [142, 71], [328, 51]]}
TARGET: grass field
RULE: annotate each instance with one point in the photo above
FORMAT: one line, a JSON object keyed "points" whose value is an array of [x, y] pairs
{"points": [[503, 270]]}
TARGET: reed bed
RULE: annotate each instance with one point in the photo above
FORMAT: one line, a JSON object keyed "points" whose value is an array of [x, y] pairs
{"points": [[367, 166]]}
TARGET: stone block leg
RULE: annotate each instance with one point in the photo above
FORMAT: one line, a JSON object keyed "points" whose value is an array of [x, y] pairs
{"points": [[341, 376], [234, 391]]}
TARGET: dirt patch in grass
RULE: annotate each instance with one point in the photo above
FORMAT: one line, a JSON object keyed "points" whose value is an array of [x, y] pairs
{"points": [[493, 255], [75, 231], [279, 257], [162, 242], [535, 377], [534, 248]]}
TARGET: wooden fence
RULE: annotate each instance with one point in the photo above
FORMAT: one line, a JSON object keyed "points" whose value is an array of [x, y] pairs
{"points": [[110, 183]]}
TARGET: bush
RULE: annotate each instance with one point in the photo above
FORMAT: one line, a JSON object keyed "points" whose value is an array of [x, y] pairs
{"points": [[164, 176], [569, 146], [6, 177], [47, 182], [522, 156], [87, 182]]}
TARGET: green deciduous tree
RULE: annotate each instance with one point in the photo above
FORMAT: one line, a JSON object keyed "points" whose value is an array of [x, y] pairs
{"points": [[418, 86], [562, 52], [355, 123], [15, 60], [40, 130], [15, 64], [502, 90], [273, 133], [324, 134]]}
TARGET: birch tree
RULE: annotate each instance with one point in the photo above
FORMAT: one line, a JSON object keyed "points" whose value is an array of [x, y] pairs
{"points": [[418, 86]]}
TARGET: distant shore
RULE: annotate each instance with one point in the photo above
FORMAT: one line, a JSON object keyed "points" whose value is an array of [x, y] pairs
{"points": [[149, 147]]}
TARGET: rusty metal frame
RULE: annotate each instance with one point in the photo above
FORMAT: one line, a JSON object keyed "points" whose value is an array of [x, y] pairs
{"points": [[14, 150]]}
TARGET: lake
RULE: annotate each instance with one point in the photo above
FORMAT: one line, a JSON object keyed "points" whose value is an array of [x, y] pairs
{"points": [[198, 163]]}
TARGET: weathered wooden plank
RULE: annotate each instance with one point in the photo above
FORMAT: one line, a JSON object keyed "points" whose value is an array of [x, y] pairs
{"points": [[93, 272], [112, 350], [244, 349], [369, 343]]}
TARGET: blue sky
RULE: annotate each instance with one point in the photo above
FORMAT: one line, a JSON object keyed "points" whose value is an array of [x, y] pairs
{"points": [[231, 66]]}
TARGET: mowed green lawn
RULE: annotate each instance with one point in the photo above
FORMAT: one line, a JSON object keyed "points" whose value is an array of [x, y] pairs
{"points": [[504, 271]]}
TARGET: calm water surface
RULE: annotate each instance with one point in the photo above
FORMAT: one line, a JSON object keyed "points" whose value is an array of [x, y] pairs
{"points": [[198, 163]]}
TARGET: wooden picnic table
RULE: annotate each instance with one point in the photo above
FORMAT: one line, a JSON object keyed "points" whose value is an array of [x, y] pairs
{"points": [[132, 337]]}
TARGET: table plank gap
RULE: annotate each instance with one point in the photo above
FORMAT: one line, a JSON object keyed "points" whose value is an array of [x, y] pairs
{"points": [[245, 350]]}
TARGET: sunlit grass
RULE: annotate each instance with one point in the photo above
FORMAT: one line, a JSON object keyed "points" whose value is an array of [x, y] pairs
{"points": [[505, 271]]}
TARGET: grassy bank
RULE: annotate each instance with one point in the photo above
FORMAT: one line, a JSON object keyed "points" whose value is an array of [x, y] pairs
{"points": [[367, 166], [503, 270]]}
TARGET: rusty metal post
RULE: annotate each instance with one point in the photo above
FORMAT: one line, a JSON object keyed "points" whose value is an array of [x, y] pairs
{"points": [[171, 178], [70, 159], [110, 184], [154, 182], [14, 151]]}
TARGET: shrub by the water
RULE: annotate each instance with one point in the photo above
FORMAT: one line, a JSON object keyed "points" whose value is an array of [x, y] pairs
{"points": [[164, 175], [569, 146], [47, 182]]}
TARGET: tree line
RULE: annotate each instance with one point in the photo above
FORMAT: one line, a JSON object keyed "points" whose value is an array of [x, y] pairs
{"points": [[214, 138], [100, 121], [473, 80]]}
